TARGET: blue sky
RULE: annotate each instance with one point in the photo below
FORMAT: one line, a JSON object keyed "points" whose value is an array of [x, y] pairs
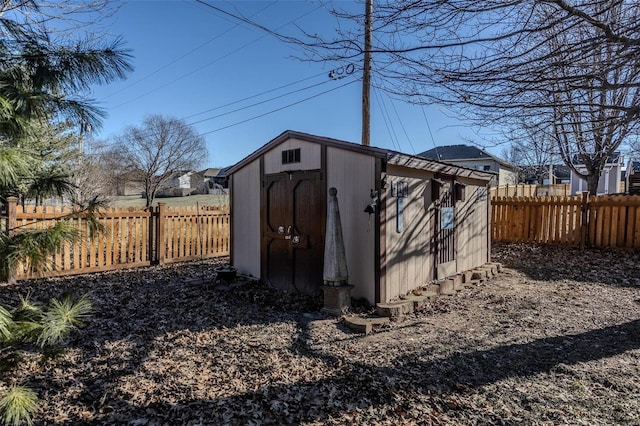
{"points": [[199, 65]]}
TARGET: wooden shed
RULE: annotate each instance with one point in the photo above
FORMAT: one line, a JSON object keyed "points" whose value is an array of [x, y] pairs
{"points": [[406, 221]]}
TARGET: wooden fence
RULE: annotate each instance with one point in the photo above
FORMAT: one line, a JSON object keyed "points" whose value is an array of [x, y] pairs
{"points": [[128, 237], [522, 190], [600, 221]]}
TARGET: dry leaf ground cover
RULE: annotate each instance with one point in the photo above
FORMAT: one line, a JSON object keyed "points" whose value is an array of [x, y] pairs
{"points": [[555, 339]]}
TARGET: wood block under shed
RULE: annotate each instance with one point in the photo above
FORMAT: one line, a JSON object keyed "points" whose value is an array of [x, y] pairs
{"points": [[466, 276], [394, 310], [364, 325]]}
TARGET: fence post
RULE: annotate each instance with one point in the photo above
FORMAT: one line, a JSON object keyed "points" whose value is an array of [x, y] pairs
{"points": [[584, 225], [151, 236], [12, 225], [160, 238]]}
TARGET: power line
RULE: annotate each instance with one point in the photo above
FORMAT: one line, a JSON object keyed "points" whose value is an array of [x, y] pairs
{"points": [[424, 114], [280, 109], [254, 23], [402, 125], [387, 122], [223, 56], [263, 114], [162, 68], [260, 103], [254, 96]]}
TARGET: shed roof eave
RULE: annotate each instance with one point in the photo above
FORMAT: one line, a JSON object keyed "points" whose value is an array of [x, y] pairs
{"points": [[392, 157], [291, 134], [433, 166]]}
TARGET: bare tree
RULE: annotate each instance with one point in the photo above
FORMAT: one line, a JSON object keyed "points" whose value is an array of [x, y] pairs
{"points": [[569, 69], [158, 148]]}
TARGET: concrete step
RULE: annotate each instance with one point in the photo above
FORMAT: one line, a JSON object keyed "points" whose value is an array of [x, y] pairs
{"points": [[432, 288], [479, 274], [466, 276], [447, 287], [364, 324], [496, 264], [493, 269], [471, 283], [394, 310], [458, 282], [421, 300]]}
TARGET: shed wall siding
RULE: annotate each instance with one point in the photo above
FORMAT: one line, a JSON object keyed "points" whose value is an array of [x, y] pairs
{"points": [[246, 219], [409, 257], [310, 157], [472, 226], [352, 174]]}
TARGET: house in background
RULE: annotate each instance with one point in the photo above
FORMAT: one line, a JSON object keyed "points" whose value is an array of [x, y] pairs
{"points": [[473, 157], [129, 183], [216, 179], [539, 175], [183, 183], [633, 177], [610, 178]]}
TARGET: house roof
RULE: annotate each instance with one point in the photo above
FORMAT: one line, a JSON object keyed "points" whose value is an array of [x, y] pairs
{"points": [[560, 171], [614, 158], [215, 172], [392, 157], [462, 152]]}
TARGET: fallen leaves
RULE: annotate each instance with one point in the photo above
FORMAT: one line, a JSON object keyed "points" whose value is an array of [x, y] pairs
{"points": [[554, 339]]}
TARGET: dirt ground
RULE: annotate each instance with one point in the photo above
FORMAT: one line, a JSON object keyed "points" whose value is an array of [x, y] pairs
{"points": [[555, 339]]}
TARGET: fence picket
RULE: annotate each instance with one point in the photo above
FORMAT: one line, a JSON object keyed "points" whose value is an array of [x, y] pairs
{"points": [[601, 221], [129, 237]]}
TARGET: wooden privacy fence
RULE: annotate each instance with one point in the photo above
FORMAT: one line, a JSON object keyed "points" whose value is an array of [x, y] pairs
{"points": [[127, 237], [600, 221], [523, 190]]}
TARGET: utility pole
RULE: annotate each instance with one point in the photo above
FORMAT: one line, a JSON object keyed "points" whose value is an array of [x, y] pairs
{"points": [[366, 76]]}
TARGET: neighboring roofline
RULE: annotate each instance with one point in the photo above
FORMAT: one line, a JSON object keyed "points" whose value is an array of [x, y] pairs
{"points": [[491, 157], [488, 154], [392, 157]]}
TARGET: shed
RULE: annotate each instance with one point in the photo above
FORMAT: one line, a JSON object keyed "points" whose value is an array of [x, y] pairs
{"points": [[424, 220]]}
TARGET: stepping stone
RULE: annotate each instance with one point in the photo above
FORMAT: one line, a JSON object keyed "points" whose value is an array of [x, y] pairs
{"points": [[394, 310], [365, 325]]}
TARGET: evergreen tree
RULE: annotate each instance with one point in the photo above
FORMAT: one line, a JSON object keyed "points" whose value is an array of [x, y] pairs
{"points": [[42, 81]]}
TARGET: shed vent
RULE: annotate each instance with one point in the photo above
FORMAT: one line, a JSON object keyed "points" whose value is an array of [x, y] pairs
{"points": [[291, 156]]}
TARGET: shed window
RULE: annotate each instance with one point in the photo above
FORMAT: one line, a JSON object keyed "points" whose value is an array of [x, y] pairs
{"points": [[291, 156], [487, 168]]}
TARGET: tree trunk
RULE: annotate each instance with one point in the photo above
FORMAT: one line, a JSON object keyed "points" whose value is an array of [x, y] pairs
{"points": [[592, 183]]}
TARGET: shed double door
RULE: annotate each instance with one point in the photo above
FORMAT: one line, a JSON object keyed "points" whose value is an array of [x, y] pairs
{"points": [[294, 216]]}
